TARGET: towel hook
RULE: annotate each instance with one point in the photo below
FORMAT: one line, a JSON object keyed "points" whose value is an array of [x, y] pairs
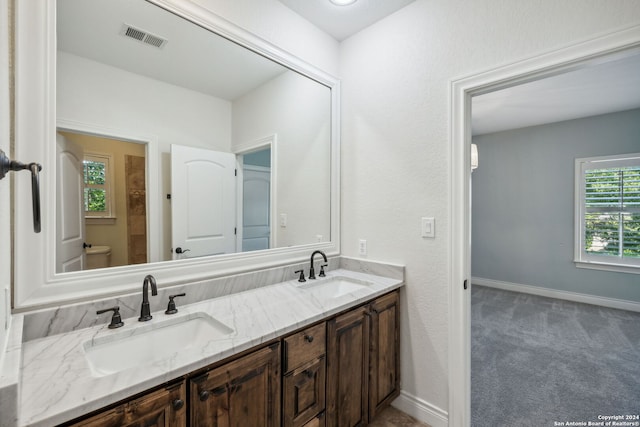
{"points": [[7, 165]]}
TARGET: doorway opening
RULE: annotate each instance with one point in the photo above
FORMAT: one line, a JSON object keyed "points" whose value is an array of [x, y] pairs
{"points": [[102, 202], [616, 45], [256, 200], [257, 194]]}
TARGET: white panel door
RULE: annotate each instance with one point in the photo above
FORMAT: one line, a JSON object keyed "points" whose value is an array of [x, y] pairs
{"points": [[256, 221], [203, 202], [70, 254]]}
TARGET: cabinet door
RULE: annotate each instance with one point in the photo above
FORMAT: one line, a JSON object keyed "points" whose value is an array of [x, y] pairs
{"points": [[304, 393], [244, 392], [317, 421], [161, 408], [384, 374], [348, 369]]}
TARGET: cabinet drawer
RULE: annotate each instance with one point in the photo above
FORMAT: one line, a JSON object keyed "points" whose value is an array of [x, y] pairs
{"points": [[304, 346], [164, 407], [304, 393]]}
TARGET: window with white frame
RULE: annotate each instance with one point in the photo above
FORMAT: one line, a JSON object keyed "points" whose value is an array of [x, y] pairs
{"points": [[98, 200], [608, 213]]}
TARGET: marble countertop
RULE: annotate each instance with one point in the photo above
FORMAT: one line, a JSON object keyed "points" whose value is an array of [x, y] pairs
{"points": [[57, 384]]}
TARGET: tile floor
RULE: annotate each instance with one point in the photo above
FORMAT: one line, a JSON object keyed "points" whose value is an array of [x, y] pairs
{"points": [[391, 417]]}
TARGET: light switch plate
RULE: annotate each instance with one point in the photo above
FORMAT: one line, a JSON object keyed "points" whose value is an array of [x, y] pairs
{"points": [[428, 227], [283, 220]]}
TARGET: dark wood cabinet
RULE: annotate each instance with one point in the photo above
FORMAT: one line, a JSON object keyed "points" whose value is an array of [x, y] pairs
{"points": [[304, 378], [244, 392], [161, 408], [384, 357], [363, 370], [348, 369], [317, 421]]}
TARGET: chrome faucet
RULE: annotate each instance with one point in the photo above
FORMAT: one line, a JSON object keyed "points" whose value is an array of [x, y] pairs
{"points": [[145, 312], [312, 272]]}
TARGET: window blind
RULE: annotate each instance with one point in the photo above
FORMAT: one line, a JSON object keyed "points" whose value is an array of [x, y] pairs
{"points": [[612, 211]]}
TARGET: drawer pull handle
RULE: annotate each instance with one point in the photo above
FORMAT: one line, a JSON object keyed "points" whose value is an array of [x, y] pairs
{"points": [[308, 338], [204, 395], [178, 404]]}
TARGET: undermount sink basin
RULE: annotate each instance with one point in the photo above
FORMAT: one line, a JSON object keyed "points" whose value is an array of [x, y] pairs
{"points": [[153, 342], [335, 287]]}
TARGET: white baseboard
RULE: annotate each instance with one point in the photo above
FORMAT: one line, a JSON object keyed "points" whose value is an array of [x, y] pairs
{"points": [[554, 293], [421, 410]]}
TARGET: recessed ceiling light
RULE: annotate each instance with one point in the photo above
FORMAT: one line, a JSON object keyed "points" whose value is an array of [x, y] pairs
{"points": [[342, 2]]}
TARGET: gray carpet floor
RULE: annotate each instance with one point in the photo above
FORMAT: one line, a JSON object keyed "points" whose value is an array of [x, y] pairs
{"points": [[539, 361]]}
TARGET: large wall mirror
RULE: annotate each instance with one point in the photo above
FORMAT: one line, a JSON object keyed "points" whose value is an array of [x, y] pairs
{"points": [[173, 143]]}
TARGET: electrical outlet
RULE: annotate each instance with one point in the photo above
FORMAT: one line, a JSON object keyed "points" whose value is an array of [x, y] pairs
{"points": [[318, 237], [362, 247]]}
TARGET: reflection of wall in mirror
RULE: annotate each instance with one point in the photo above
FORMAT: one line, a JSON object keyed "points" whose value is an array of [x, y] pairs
{"points": [[110, 233], [297, 109], [94, 93], [101, 95]]}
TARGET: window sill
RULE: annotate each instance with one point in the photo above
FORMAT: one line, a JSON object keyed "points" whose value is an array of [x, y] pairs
{"points": [[608, 267], [100, 221]]}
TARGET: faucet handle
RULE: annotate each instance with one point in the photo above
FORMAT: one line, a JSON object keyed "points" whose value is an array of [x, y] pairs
{"points": [[321, 274], [301, 278], [171, 307], [116, 320]]}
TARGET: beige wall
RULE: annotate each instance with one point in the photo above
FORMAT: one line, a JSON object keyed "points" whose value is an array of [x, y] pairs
{"points": [[115, 234]]}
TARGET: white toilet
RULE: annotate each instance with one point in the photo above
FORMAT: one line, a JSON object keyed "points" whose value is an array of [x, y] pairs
{"points": [[98, 257]]}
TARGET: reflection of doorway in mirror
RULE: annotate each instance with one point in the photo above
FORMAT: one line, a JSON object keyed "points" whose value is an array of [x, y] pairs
{"points": [[256, 196], [136, 209], [113, 230]]}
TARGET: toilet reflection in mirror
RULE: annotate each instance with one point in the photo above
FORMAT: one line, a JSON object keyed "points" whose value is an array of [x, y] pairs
{"points": [[98, 257]]}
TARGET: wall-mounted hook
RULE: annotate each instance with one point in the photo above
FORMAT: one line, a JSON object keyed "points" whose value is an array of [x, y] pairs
{"points": [[7, 165]]}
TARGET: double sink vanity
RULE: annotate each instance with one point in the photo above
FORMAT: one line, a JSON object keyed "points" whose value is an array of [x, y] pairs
{"points": [[250, 344], [314, 353]]}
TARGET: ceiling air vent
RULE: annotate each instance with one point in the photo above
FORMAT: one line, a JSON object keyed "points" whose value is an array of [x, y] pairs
{"points": [[143, 36]]}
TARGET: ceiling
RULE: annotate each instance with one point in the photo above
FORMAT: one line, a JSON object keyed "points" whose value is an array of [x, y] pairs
{"points": [[343, 21], [603, 88], [193, 58], [202, 61]]}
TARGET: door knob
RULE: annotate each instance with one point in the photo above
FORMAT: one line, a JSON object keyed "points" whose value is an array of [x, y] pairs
{"points": [[86, 245], [179, 250]]}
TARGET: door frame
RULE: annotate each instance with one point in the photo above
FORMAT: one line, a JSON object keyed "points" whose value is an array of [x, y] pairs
{"points": [[270, 141], [152, 178], [591, 51]]}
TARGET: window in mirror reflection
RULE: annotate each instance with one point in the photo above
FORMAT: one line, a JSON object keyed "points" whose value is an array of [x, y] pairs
{"points": [[97, 185]]}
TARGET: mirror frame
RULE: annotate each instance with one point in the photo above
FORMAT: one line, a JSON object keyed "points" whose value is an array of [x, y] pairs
{"points": [[35, 282]]}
